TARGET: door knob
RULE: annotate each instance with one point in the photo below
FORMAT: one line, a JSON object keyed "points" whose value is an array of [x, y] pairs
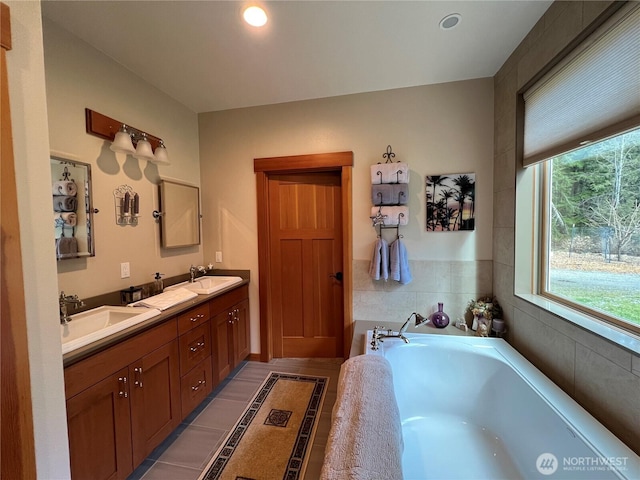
{"points": [[337, 276]]}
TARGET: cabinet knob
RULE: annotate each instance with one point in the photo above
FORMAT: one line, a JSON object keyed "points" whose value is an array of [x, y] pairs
{"points": [[138, 381]]}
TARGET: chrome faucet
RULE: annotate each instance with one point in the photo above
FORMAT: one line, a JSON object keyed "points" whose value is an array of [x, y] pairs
{"points": [[379, 336], [193, 270], [65, 301]]}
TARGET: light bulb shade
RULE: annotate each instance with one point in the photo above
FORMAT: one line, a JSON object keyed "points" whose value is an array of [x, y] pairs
{"points": [[144, 150], [122, 142], [161, 157]]}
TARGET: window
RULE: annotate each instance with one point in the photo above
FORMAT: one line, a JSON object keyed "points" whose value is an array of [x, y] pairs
{"points": [[581, 139], [591, 244]]}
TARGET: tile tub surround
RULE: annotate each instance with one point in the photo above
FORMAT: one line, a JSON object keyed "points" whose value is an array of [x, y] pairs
{"points": [[453, 283], [189, 448], [603, 377]]}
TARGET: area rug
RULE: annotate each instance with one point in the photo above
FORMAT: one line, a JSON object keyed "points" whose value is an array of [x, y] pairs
{"points": [[273, 438]]}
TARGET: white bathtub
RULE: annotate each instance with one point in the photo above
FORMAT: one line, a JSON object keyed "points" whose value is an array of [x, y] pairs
{"points": [[474, 408]]}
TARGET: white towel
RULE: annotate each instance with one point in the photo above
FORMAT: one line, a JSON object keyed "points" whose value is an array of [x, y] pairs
{"points": [[389, 173], [365, 440], [65, 187], [394, 215], [379, 266], [166, 299]]}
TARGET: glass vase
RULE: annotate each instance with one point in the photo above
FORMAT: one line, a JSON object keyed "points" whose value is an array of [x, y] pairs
{"points": [[439, 319]]}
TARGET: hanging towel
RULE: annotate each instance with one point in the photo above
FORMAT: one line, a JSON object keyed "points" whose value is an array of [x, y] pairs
{"points": [[399, 263], [65, 219], [66, 247], [65, 187], [64, 203], [394, 215], [379, 266]]}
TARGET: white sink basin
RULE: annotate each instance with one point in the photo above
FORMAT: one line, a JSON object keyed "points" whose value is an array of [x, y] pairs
{"points": [[208, 284], [87, 327]]}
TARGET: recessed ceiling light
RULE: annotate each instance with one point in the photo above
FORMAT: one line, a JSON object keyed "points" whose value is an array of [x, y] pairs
{"points": [[450, 21], [255, 16]]}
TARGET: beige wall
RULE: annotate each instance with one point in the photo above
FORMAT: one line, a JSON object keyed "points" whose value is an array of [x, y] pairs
{"points": [[601, 376], [31, 149], [79, 77], [436, 129]]}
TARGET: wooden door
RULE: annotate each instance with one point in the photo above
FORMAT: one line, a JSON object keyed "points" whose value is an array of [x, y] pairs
{"points": [[305, 238], [155, 399], [99, 425]]}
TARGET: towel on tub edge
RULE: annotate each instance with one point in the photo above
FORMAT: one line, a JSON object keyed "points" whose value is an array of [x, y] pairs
{"points": [[366, 446]]}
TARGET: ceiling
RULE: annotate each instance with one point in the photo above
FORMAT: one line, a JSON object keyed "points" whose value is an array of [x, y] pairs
{"points": [[202, 54]]}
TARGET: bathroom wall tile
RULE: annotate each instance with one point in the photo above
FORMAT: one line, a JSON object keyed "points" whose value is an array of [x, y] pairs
{"points": [[610, 393], [504, 170], [503, 283], [390, 307], [505, 94], [454, 304], [609, 350], [504, 203], [550, 351], [504, 245], [361, 278], [504, 133], [528, 308], [635, 365], [428, 276], [472, 277]]}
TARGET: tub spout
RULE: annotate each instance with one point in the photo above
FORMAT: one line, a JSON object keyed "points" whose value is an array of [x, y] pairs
{"points": [[419, 321]]}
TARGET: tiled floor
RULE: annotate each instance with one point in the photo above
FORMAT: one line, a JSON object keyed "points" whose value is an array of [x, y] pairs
{"points": [[189, 448]]}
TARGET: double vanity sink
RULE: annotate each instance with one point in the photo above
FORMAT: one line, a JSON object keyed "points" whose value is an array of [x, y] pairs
{"points": [[98, 323]]}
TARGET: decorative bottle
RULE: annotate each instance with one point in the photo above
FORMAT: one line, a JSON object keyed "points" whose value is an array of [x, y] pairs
{"points": [[439, 319]]}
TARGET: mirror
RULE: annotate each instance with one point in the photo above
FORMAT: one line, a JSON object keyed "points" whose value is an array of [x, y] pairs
{"points": [[72, 208], [180, 214]]}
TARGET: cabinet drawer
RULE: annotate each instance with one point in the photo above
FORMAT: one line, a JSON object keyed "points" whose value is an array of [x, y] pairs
{"points": [[192, 318], [195, 345], [195, 386]]}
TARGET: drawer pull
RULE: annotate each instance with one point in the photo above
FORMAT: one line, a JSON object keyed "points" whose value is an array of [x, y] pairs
{"points": [[198, 346], [123, 388], [138, 380], [195, 388], [199, 316]]}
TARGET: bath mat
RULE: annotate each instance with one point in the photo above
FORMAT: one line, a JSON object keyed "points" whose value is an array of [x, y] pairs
{"points": [[273, 438]]}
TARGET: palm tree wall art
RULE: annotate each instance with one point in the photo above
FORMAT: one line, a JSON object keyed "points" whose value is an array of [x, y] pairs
{"points": [[451, 202]]}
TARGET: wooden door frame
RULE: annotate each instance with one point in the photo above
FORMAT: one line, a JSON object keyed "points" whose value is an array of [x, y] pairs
{"points": [[264, 167]]}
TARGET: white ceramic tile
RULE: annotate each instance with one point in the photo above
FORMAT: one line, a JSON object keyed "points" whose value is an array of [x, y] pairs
{"points": [[383, 306]]}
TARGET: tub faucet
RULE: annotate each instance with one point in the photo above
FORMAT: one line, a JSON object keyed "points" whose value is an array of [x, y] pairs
{"points": [[64, 302], [379, 336]]}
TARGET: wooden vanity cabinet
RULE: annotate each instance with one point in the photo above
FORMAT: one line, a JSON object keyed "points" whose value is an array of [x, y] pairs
{"points": [[196, 380], [229, 331], [116, 422]]}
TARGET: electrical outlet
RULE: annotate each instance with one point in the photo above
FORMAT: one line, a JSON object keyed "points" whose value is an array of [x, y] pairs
{"points": [[125, 271], [218, 257]]}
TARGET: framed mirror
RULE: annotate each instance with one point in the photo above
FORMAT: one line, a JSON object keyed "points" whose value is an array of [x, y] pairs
{"points": [[180, 214], [72, 208]]}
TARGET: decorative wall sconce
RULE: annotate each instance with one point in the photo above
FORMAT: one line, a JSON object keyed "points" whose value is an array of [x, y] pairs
{"points": [[127, 205], [126, 139]]}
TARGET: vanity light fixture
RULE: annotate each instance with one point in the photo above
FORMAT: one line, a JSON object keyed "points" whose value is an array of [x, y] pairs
{"points": [[255, 16], [126, 139]]}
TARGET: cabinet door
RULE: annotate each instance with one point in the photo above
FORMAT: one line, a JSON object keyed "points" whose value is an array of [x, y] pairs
{"points": [[195, 386], [241, 335], [155, 399], [222, 354], [99, 426]]}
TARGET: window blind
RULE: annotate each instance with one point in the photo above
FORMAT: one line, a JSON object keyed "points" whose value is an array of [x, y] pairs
{"points": [[592, 95]]}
